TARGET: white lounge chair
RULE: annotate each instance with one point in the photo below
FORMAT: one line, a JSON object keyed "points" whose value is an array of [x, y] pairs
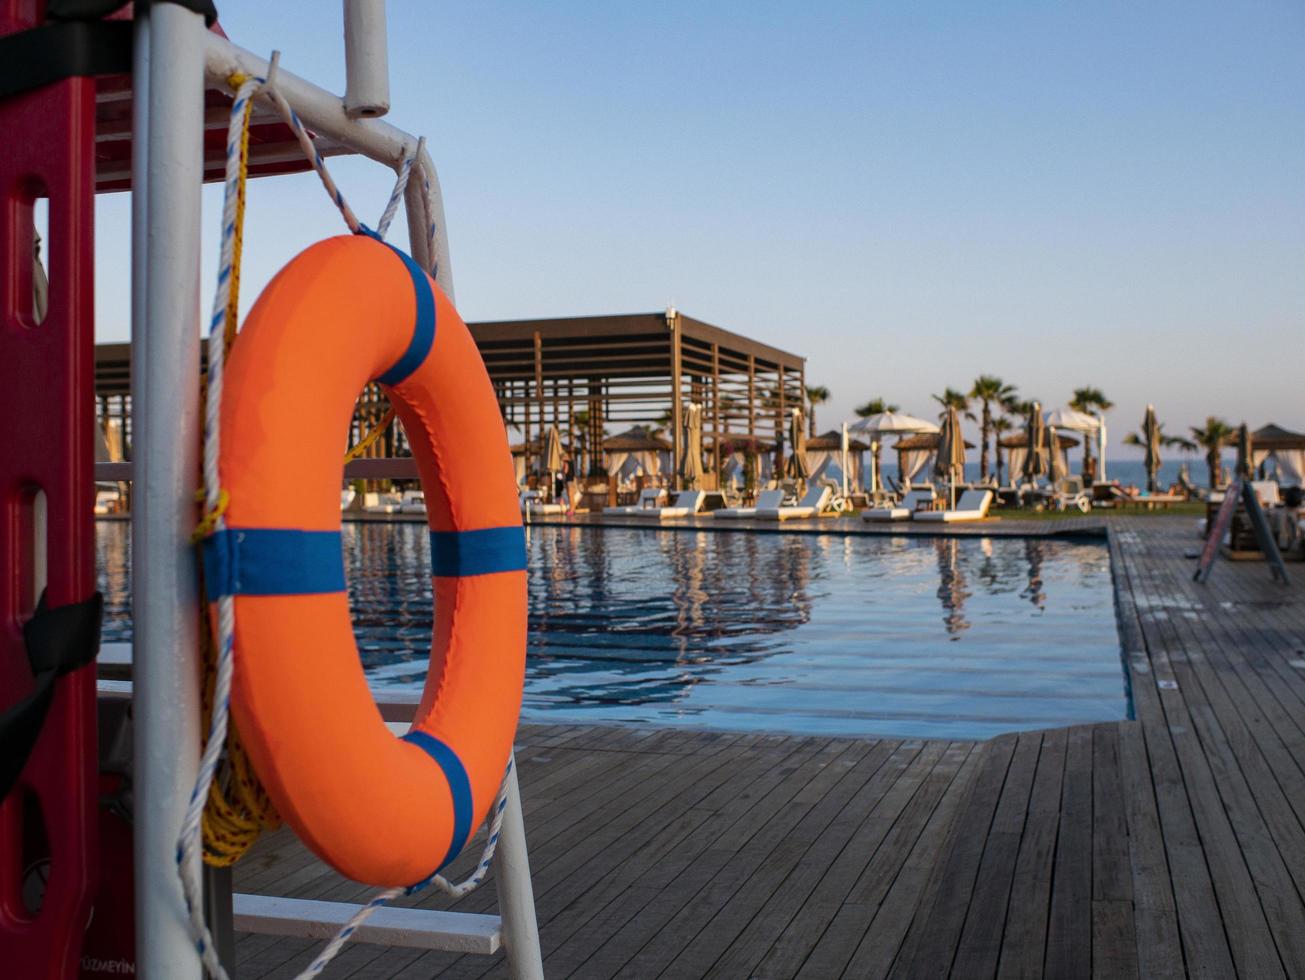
{"points": [[903, 511], [413, 502], [687, 503], [649, 497], [1267, 492], [766, 500], [972, 506], [381, 503], [816, 500]]}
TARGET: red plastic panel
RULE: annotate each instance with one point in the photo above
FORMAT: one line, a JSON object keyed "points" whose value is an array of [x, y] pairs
{"points": [[47, 444]]}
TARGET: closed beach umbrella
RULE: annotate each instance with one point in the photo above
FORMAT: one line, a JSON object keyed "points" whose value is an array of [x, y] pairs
{"points": [[1151, 445], [950, 465], [1035, 461], [1245, 460], [691, 456], [796, 466], [1055, 462], [553, 450]]}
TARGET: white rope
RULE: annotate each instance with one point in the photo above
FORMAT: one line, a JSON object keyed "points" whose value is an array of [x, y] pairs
{"points": [[189, 842], [400, 185]]}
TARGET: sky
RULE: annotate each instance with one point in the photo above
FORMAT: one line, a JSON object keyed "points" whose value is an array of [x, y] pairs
{"points": [[909, 195]]}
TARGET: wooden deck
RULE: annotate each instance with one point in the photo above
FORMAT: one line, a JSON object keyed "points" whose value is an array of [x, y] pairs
{"points": [[1167, 846]]}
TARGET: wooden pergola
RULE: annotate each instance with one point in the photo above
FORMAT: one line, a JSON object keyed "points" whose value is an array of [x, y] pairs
{"points": [[584, 374]]}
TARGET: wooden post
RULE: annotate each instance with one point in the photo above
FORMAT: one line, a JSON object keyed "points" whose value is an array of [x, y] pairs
{"points": [[715, 411], [752, 397], [538, 397], [673, 325], [779, 425]]}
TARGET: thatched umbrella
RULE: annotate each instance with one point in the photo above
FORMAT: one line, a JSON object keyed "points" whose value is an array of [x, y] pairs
{"points": [[1245, 460], [691, 455], [1151, 446], [796, 464], [950, 464], [1035, 462]]}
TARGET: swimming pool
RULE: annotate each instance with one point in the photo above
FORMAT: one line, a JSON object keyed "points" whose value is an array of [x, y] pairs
{"points": [[814, 634]]}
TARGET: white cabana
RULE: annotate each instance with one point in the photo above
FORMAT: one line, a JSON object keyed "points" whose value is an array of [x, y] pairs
{"points": [[1068, 419]]}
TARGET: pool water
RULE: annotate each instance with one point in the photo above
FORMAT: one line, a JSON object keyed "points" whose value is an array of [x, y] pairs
{"points": [[814, 634]]}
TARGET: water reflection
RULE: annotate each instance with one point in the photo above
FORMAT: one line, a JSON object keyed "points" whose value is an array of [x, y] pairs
{"points": [[822, 634]]}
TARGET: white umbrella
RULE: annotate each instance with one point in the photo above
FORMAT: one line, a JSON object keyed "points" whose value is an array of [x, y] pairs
{"points": [[1073, 420], [887, 424]]}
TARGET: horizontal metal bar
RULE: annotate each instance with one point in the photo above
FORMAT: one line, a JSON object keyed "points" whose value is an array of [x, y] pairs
{"points": [[394, 706], [388, 468], [322, 112], [454, 932]]}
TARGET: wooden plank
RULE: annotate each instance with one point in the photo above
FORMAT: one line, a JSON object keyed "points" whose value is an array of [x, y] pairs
{"points": [[860, 877], [980, 944], [1114, 939], [1024, 944], [1155, 919], [674, 913], [946, 918], [851, 838], [1069, 927]]}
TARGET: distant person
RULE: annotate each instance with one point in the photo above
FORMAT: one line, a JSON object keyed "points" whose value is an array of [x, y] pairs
{"points": [[562, 480]]}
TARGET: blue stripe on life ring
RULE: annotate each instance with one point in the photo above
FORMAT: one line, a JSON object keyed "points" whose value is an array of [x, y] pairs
{"points": [[480, 552], [272, 561], [423, 331], [459, 787]]}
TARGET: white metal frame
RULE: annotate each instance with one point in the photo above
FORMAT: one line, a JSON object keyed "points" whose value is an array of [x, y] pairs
{"points": [[174, 58]]}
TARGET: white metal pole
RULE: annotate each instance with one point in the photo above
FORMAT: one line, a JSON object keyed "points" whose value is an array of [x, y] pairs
{"points": [[366, 61], [166, 396], [516, 894], [1101, 447]]}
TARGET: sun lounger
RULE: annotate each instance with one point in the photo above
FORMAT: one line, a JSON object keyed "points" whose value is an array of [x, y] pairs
{"points": [[816, 500], [972, 506], [414, 502], [649, 497], [910, 503], [766, 500], [381, 503], [687, 503]]}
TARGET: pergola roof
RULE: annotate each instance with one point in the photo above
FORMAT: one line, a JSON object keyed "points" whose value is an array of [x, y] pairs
{"points": [[1020, 440], [925, 440], [635, 440], [833, 439], [1272, 436]]}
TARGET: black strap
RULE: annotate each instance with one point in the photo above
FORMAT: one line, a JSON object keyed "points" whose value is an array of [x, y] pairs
{"points": [[58, 641], [66, 49]]}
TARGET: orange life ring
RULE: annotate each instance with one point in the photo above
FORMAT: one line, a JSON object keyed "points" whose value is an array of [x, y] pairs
{"points": [[379, 809]]}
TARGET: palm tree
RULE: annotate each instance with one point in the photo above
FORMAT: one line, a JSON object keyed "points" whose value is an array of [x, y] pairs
{"points": [[986, 390], [1212, 437], [875, 406], [1089, 399], [951, 398], [816, 395], [1000, 424]]}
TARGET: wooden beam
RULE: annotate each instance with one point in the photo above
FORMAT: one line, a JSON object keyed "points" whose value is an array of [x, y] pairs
{"points": [[673, 325]]}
